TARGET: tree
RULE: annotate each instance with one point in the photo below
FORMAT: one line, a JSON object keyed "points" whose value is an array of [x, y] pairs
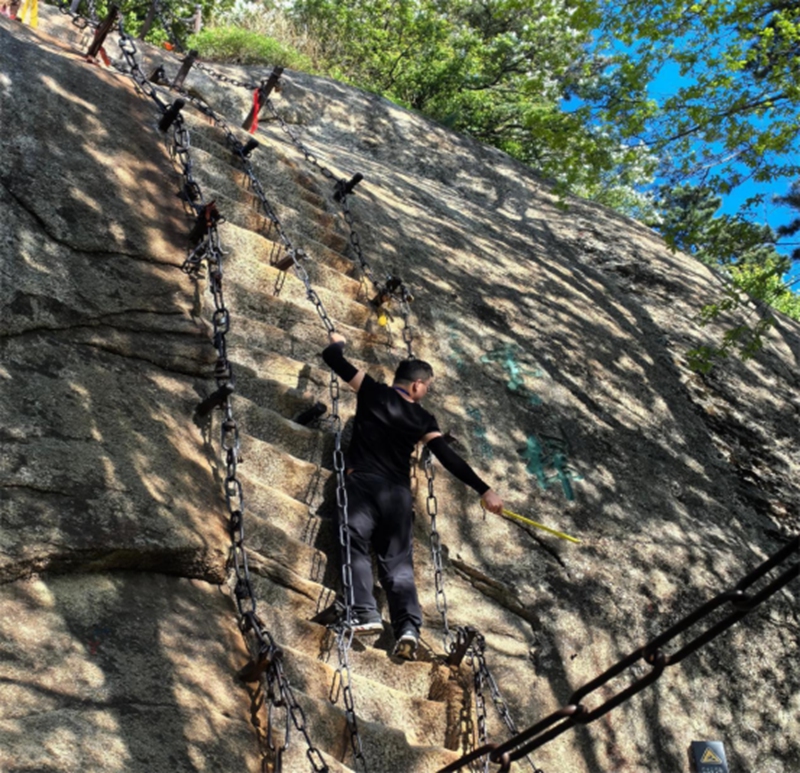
{"points": [[734, 115], [791, 199], [498, 70], [689, 222], [745, 255]]}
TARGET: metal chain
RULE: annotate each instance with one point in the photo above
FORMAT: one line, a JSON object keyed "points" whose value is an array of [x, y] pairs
{"points": [[436, 549], [261, 644], [475, 654], [224, 78], [480, 708], [344, 631], [576, 713], [81, 22], [399, 293], [478, 655], [344, 627]]}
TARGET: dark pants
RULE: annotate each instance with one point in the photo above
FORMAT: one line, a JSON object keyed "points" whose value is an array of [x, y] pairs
{"points": [[379, 513]]}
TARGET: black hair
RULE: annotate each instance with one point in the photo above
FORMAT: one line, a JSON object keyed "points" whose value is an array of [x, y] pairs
{"points": [[413, 370]]}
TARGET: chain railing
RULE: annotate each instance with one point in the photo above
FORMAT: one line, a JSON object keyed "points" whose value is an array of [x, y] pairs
{"points": [[471, 641], [344, 633], [576, 713], [432, 507], [266, 664], [392, 286]]}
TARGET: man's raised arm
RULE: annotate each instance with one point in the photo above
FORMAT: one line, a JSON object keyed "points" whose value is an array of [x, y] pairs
{"points": [[334, 358]]}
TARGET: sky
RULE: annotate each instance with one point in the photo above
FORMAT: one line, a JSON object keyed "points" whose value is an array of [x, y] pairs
{"points": [[769, 213]]}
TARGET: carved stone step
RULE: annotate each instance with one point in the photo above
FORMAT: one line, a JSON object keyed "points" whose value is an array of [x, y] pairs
{"points": [[266, 464], [312, 445], [299, 322], [386, 749], [300, 219], [268, 161], [321, 244], [247, 261], [422, 721], [414, 677]]}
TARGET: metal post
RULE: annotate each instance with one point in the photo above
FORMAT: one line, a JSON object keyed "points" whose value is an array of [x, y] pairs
{"points": [[198, 19], [102, 33], [263, 95], [184, 71], [171, 114]]}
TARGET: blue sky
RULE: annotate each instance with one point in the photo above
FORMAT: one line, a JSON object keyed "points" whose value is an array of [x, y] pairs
{"points": [[768, 213]]}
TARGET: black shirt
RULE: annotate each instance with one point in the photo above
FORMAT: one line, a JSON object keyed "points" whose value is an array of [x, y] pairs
{"points": [[387, 427]]}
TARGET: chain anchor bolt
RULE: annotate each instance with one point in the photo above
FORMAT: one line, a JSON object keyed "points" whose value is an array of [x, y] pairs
{"points": [[207, 217], [267, 656], [171, 114], [214, 399], [464, 639], [345, 187], [311, 414], [249, 147]]}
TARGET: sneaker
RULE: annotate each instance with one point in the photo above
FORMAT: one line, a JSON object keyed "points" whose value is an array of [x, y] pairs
{"points": [[406, 647], [367, 627]]}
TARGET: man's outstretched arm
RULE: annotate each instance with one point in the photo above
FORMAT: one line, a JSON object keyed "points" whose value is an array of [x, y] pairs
{"points": [[334, 358], [455, 465]]}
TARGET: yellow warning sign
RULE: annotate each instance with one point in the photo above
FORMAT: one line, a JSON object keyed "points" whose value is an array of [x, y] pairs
{"points": [[709, 758]]}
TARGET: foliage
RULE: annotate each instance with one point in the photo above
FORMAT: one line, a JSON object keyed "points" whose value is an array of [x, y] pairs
{"points": [[241, 46], [753, 289], [498, 70], [791, 199], [689, 222], [745, 253], [734, 115]]}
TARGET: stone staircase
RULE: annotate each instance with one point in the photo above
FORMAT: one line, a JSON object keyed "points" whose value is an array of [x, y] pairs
{"points": [[275, 340], [410, 714]]}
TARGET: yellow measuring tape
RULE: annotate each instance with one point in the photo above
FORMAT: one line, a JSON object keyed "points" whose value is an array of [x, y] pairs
{"points": [[559, 534]]}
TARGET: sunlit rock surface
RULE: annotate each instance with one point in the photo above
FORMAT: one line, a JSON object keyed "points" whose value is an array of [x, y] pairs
{"points": [[558, 338]]}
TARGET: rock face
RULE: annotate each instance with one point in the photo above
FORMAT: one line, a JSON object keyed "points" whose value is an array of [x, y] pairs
{"points": [[558, 340]]}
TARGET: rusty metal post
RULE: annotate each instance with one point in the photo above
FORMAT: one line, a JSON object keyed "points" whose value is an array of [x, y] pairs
{"points": [[249, 147], [464, 639], [184, 71], [102, 33], [345, 187], [263, 94]]}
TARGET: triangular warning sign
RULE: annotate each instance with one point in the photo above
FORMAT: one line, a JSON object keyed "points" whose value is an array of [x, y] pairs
{"points": [[709, 758]]}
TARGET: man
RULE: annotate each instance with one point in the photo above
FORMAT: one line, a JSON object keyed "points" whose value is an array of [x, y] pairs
{"points": [[389, 423]]}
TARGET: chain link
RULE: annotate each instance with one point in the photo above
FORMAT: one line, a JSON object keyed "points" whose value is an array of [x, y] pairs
{"points": [[344, 630], [475, 653], [224, 78], [344, 626], [391, 286]]}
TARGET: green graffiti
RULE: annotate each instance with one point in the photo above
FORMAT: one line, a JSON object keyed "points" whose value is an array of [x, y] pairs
{"points": [[484, 446], [548, 463], [507, 357]]}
